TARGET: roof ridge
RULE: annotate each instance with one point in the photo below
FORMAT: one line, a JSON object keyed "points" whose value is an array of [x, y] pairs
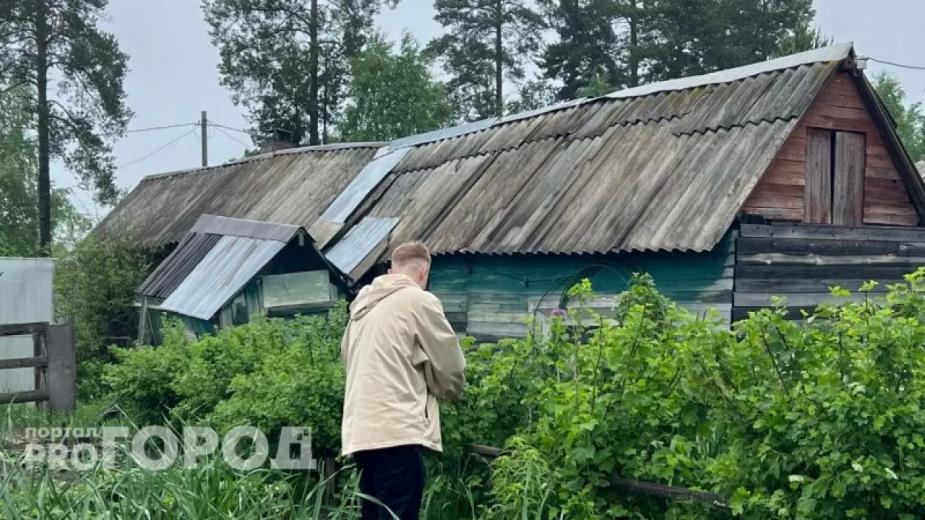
{"points": [[330, 147], [835, 52]]}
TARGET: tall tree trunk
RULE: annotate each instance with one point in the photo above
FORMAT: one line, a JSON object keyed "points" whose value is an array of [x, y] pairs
{"points": [[41, 75], [313, 86], [499, 59], [634, 47]]}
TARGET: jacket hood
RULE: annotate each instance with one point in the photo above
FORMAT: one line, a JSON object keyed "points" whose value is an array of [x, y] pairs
{"points": [[372, 294]]}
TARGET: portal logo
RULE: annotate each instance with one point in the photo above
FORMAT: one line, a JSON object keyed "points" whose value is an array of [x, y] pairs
{"points": [[157, 448]]}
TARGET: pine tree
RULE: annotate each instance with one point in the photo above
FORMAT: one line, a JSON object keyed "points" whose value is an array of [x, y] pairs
{"points": [[620, 43], [600, 41], [287, 61], [699, 36], [488, 42], [72, 72]]}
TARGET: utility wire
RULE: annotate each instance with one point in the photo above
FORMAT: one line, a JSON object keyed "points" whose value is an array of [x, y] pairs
{"points": [[153, 128], [894, 64], [233, 138], [158, 149], [226, 127]]}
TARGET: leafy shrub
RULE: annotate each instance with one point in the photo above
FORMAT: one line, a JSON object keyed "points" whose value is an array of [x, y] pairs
{"points": [[141, 381], [95, 289], [813, 419], [214, 360], [819, 418], [301, 384], [267, 373]]}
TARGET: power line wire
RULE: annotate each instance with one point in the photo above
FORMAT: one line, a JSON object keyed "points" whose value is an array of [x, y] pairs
{"points": [[894, 64], [153, 128], [158, 149], [233, 138], [226, 127]]}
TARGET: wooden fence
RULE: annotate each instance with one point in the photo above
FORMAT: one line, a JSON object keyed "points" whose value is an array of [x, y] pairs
{"points": [[53, 360]]}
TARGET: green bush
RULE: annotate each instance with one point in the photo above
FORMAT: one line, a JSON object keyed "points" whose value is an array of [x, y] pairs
{"points": [[819, 418], [141, 381], [301, 384], [95, 286], [267, 373], [815, 419]]}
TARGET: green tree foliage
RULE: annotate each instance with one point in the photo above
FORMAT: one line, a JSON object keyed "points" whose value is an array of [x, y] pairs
{"points": [[287, 61], [533, 94], [95, 289], [909, 117], [19, 213], [393, 94], [626, 42], [72, 72], [487, 43], [591, 45]]}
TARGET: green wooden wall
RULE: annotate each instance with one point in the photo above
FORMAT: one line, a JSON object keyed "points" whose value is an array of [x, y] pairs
{"points": [[490, 297]]}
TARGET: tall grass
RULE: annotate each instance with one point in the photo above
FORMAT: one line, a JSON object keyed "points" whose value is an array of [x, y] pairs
{"points": [[210, 490]]}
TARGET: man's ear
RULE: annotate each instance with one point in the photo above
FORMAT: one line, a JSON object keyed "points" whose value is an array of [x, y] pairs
{"points": [[389, 271]]}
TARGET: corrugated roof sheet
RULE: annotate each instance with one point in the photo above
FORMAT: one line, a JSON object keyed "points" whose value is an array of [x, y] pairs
{"points": [[664, 171], [168, 275], [664, 166], [221, 274], [188, 266], [354, 193], [289, 186], [359, 242]]}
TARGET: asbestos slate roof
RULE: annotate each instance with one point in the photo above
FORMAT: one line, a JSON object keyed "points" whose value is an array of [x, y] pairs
{"points": [[289, 187], [661, 167], [664, 166]]}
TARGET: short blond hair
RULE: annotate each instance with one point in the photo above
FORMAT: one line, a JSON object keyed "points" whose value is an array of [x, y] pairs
{"points": [[410, 251]]}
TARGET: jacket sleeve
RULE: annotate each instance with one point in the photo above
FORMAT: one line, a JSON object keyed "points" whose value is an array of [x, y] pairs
{"points": [[445, 366], [344, 342]]}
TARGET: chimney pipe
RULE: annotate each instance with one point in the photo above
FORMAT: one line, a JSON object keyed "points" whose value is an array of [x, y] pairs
{"points": [[277, 139]]}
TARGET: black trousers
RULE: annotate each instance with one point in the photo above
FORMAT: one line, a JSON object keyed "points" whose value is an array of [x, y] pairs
{"points": [[395, 477]]}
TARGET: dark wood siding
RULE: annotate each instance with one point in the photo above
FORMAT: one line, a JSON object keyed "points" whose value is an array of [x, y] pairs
{"points": [[780, 193], [491, 297], [801, 262]]}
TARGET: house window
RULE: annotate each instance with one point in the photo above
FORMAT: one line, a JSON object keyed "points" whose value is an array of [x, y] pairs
{"points": [[834, 177]]}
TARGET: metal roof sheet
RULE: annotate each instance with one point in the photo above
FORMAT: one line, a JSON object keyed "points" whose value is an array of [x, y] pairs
{"points": [[359, 242], [221, 274], [836, 52], [239, 227], [168, 275], [368, 178]]}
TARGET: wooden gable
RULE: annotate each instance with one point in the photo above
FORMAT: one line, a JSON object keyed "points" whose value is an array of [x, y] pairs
{"points": [[839, 109]]}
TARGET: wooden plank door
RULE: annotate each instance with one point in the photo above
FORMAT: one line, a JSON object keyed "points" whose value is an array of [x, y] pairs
{"points": [[818, 193], [848, 189]]}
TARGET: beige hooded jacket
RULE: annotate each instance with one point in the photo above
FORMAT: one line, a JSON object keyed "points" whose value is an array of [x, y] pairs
{"points": [[401, 356]]}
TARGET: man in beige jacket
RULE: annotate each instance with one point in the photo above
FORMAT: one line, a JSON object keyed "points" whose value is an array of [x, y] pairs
{"points": [[401, 356]]}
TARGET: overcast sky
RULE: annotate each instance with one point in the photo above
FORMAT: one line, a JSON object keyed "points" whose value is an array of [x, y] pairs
{"points": [[173, 72]]}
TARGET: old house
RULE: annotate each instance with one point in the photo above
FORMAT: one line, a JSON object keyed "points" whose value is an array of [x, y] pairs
{"points": [[225, 270], [778, 178]]}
